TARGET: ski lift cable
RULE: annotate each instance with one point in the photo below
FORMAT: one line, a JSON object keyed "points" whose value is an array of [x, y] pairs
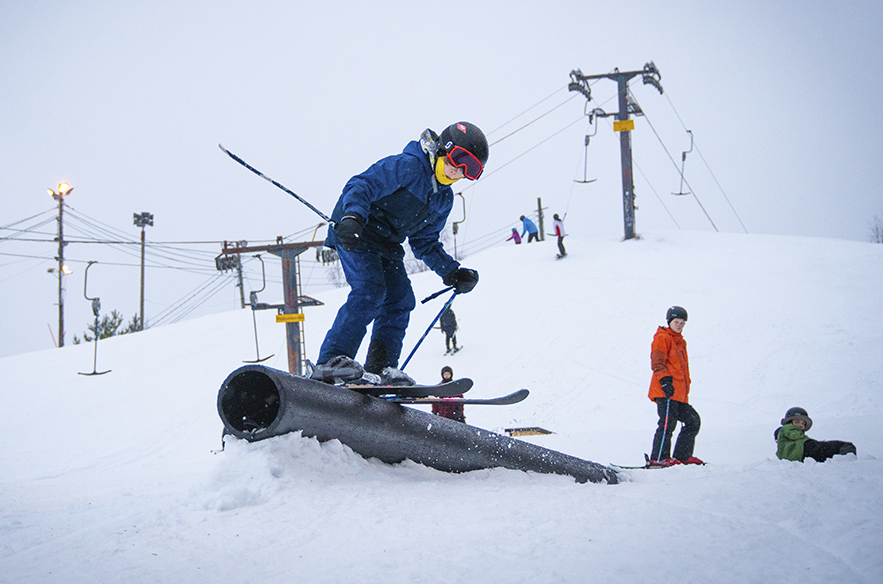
{"points": [[661, 202], [504, 124], [707, 166], [534, 120], [535, 146], [675, 164], [208, 296], [219, 280]]}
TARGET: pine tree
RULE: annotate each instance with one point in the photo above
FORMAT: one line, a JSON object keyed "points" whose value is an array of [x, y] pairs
{"points": [[109, 326]]}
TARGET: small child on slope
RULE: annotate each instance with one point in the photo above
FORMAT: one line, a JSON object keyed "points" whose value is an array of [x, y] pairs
{"points": [[794, 444]]}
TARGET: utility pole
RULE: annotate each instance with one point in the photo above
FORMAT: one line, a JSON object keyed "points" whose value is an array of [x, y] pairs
{"points": [[623, 124], [63, 189], [142, 220], [540, 218]]}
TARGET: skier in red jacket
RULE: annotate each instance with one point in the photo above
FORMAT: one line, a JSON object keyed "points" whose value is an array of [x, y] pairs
{"points": [[670, 389]]}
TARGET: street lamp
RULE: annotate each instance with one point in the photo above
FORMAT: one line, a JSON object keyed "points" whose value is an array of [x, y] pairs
{"points": [[63, 189]]}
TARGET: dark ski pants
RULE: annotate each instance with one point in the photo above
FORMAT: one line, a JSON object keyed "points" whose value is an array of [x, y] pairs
{"points": [[561, 250], [670, 413], [822, 450], [449, 337], [535, 236], [380, 292]]}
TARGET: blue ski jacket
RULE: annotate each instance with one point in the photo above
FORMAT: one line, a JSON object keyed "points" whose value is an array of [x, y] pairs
{"points": [[399, 198], [529, 226]]}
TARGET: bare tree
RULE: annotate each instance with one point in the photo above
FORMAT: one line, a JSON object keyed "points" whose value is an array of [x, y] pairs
{"points": [[877, 229]]}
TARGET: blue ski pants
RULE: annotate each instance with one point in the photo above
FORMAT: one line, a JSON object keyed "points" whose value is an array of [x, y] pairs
{"points": [[380, 292]]}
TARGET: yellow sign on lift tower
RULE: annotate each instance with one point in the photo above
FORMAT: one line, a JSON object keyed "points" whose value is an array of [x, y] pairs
{"points": [[293, 317], [623, 125]]}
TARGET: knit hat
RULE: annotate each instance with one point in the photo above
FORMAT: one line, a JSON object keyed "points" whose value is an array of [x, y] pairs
{"points": [[797, 414]]}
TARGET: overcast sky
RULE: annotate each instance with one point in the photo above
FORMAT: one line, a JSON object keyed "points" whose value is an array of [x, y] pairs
{"points": [[127, 102]]}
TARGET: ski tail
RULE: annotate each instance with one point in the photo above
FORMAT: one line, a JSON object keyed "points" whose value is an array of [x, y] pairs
{"points": [[505, 400]]}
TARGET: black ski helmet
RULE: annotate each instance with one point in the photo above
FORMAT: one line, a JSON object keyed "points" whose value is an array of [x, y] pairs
{"points": [[797, 414], [467, 136], [675, 312]]}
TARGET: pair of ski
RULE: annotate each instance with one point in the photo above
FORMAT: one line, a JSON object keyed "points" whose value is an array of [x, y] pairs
{"points": [[436, 394], [646, 465]]}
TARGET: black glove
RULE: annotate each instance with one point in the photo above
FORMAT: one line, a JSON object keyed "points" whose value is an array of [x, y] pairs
{"points": [[668, 387], [462, 279], [349, 231]]}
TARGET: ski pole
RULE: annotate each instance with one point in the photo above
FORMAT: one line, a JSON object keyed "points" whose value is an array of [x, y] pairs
{"points": [[281, 186], [432, 324], [436, 295], [665, 429]]}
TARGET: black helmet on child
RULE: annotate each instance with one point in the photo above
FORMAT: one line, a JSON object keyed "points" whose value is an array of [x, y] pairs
{"points": [[675, 312], [465, 145], [797, 414]]}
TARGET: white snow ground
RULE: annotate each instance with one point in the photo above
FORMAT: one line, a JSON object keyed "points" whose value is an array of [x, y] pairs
{"points": [[112, 478]]}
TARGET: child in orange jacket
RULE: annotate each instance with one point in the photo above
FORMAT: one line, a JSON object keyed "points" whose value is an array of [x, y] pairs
{"points": [[670, 389]]}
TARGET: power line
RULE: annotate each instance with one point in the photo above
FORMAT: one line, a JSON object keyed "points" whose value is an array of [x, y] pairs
{"points": [[29, 230], [52, 210]]}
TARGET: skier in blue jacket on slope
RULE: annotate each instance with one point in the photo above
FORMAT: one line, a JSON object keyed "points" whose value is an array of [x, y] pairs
{"points": [[404, 196], [530, 228]]}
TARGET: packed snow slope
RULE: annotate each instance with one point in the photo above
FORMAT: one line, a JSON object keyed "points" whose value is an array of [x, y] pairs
{"points": [[112, 478]]}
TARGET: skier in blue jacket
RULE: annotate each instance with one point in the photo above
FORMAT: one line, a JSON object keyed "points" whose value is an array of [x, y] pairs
{"points": [[404, 196], [528, 226]]}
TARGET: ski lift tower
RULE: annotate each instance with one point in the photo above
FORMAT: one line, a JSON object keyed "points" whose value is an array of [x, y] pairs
{"points": [[623, 124], [289, 311]]}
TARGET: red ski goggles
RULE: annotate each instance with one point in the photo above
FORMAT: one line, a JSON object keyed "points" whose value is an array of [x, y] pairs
{"points": [[462, 158]]}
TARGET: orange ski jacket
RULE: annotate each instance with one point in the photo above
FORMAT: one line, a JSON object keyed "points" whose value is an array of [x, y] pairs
{"points": [[668, 356]]}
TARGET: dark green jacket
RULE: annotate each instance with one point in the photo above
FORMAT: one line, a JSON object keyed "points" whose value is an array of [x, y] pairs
{"points": [[790, 440]]}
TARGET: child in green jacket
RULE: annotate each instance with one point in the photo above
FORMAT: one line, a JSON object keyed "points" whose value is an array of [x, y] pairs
{"points": [[794, 444]]}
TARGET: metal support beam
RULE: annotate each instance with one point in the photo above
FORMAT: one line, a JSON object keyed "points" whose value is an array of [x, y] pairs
{"points": [[625, 154], [650, 76], [292, 303]]}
